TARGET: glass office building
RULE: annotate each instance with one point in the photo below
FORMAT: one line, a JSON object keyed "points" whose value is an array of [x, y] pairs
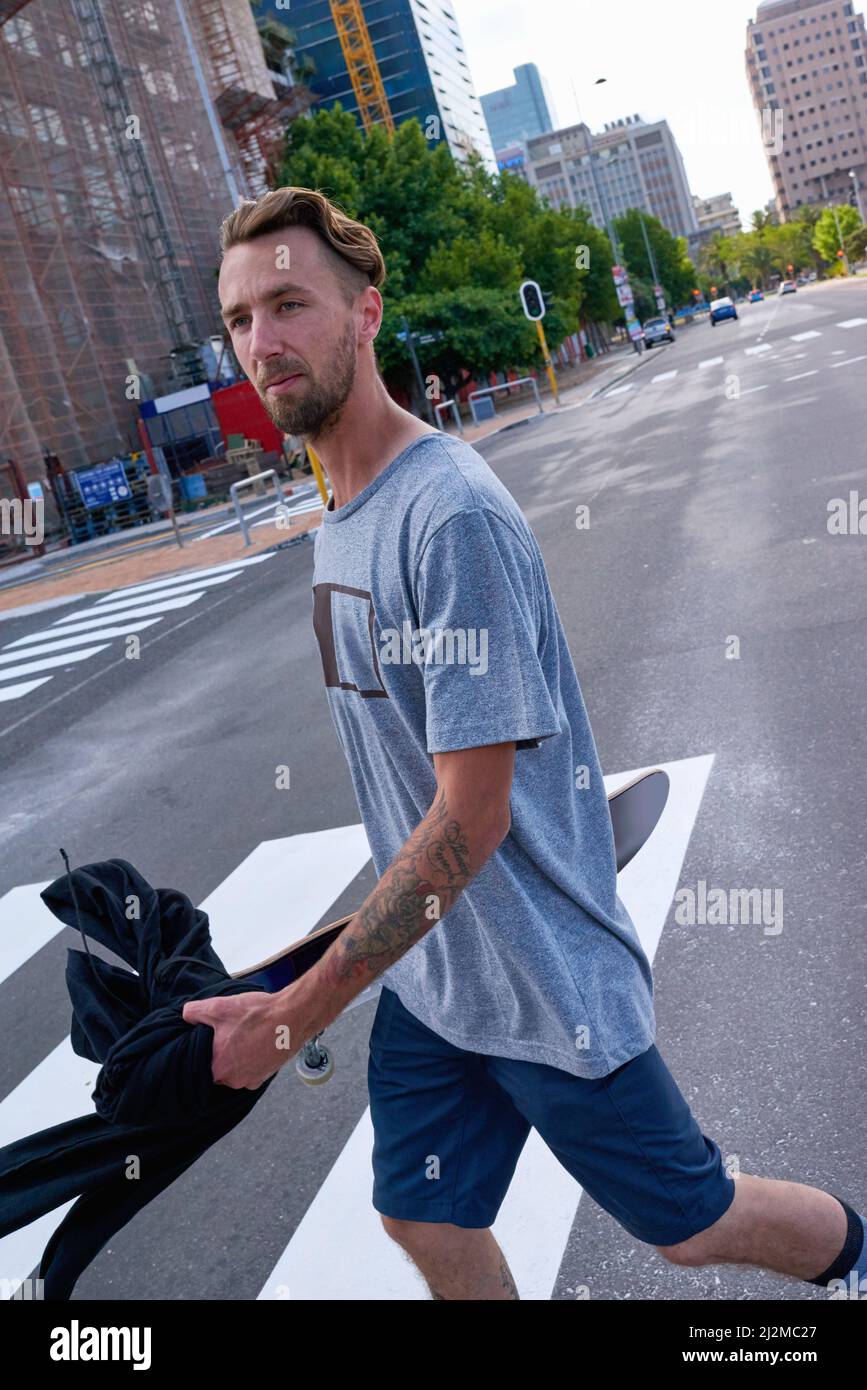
{"points": [[518, 112], [421, 59]]}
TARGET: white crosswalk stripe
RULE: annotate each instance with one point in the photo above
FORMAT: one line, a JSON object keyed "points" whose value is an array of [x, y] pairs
{"points": [[802, 337], [665, 376], [116, 614], [851, 323], [339, 1248], [711, 362], [36, 643], [760, 347], [48, 663]]}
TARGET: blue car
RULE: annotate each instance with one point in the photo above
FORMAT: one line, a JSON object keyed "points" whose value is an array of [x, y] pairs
{"points": [[722, 309]]}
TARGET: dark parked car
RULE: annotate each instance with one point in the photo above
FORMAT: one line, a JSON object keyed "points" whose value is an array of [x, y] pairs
{"points": [[658, 330], [722, 309]]}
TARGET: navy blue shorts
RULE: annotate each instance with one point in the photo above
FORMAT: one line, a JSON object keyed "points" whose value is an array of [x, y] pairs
{"points": [[628, 1138]]}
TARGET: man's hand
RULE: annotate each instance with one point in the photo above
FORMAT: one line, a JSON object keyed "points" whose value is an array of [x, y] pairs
{"points": [[250, 1042]]}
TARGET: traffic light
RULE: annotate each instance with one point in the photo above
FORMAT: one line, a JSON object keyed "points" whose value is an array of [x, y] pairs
{"points": [[790, 268], [696, 294], [840, 254], [713, 289], [532, 301]]}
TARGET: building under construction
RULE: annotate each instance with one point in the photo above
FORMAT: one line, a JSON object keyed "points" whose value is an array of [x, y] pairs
{"points": [[128, 130]]}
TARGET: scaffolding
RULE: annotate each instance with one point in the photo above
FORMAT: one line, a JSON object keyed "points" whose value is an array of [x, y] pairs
{"points": [[112, 187]]}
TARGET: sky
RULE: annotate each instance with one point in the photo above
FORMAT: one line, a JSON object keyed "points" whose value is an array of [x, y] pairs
{"points": [[677, 60]]}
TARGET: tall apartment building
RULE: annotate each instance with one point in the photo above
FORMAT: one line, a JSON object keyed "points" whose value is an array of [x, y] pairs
{"points": [[635, 164], [518, 112], [126, 136], [806, 64], [421, 59], [717, 214]]}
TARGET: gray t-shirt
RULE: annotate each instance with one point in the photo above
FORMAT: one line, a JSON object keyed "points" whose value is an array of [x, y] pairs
{"points": [[438, 630]]}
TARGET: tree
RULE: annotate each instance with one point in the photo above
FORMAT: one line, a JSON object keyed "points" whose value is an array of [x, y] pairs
{"points": [[676, 271], [825, 237]]}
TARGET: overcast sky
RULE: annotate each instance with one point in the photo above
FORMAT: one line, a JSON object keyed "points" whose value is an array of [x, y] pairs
{"points": [[678, 60]]}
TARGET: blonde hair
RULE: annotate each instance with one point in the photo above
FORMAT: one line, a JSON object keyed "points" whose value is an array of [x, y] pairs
{"points": [[353, 248]]}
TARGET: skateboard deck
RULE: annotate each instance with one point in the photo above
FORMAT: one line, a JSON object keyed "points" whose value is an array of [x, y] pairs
{"points": [[635, 810]]}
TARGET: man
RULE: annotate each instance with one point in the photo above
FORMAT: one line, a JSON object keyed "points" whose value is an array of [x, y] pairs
{"points": [[516, 992]]}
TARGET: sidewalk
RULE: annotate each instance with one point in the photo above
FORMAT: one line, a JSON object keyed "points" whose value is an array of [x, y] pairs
{"points": [[151, 552]]}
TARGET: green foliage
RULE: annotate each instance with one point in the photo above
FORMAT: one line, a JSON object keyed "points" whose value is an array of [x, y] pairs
{"points": [[675, 269], [457, 243], [825, 236]]}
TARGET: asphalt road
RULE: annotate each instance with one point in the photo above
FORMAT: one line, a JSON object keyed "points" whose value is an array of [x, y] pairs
{"points": [[708, 493]]}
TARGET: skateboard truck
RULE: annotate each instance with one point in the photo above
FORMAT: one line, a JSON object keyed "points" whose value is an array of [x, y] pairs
{"points": [[314, 1063]]}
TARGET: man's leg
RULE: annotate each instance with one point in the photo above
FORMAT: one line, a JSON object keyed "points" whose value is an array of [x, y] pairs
{"points": [[786, 1227], [457, 1262]]}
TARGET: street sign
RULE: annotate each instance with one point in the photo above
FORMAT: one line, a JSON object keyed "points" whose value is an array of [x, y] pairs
{"points": [[531, 301], [102, 485], [619, 275], [624, 295]]}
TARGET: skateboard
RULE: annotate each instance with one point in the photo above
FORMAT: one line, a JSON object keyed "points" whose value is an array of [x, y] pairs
{"points": [[635, 810]]}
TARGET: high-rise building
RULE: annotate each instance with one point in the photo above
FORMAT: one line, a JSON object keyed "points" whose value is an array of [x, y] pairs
{"points": [[717, 214], [421, 60], [806, 63], [636, 164], [520, 111]]}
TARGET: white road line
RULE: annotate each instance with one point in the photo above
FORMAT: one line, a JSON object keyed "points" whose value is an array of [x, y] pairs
{"points": [[838, 352], [249, 921], [25, 926], [711, 362], [37, 647], [762, 347], [185, 576], [14, 692], [802, 337], [49, 663], [535, 1220], [617, 391], [82, 619], [800, 376], [115, 601], [665, 376], [850, 323], [227, 525], [751, 389], [847, 361]]}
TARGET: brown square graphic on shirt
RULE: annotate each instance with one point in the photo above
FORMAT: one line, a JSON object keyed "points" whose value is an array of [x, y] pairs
{"points": [[323, 626]]}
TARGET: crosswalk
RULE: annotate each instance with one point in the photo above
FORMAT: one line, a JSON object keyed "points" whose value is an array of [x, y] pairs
{"points": [[755, 350], [339, 1249], [31, 661]]}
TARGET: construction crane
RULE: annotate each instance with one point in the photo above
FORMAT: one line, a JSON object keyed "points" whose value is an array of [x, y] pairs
{"points": [[361, 64]]}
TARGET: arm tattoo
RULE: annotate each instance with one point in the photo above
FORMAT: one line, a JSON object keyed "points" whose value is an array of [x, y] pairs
{"points": [[435, 861]]}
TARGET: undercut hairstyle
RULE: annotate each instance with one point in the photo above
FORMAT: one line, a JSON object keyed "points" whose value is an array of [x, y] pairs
{"points": [[349, 246]]}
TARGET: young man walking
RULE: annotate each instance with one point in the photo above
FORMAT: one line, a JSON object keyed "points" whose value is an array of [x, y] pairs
{"points": [[516, 993]]}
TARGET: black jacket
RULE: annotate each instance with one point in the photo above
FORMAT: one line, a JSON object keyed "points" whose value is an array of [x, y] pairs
{"points": [[154, 1096]]}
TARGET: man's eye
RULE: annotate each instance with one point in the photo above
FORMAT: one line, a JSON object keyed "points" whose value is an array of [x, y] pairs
{"points": [[234, 323], [290, 303]]}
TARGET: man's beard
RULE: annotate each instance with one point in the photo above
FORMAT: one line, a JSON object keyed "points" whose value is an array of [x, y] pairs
{"points": [[315, 410]]}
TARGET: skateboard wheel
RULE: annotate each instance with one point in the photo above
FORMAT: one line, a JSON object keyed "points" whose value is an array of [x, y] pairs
{"points": [[315, 1075]]}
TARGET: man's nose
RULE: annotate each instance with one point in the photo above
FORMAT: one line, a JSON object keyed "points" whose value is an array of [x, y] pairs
{"points": [[265, 340]]}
